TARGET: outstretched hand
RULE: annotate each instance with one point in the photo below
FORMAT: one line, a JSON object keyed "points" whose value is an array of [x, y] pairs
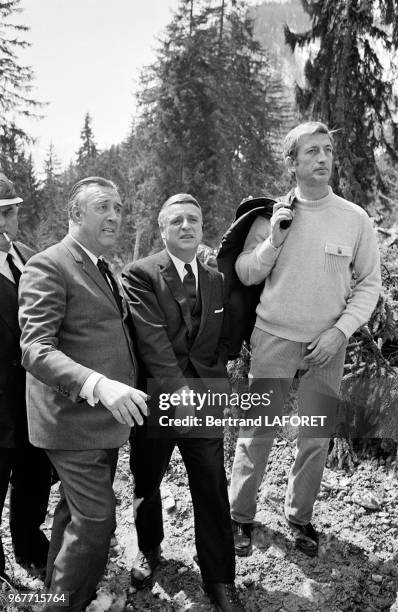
{"points": [[126, 404]]}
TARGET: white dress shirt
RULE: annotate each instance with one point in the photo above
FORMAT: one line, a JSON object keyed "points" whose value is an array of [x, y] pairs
{"points": [[180, 267], [5, 268]]}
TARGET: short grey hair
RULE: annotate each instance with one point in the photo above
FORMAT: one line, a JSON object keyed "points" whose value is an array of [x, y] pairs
{"points": [[75, 199], [178, 198]]}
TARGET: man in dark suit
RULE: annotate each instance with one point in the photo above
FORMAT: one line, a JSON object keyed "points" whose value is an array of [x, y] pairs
{"points": [[177, 310], [81, 368], [28, 466]]}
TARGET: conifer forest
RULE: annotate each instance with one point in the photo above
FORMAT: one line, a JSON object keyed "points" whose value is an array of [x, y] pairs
{"points": [[209, 115]]}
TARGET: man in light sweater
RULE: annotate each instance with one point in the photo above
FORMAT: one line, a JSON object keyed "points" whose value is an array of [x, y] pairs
{"points": [[306, 314]]}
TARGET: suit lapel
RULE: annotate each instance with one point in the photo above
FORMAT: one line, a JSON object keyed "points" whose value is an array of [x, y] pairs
{"points": [[22, 251], [170, 275], [205, 294], [9, 304], [9, 293], [90, 269]]}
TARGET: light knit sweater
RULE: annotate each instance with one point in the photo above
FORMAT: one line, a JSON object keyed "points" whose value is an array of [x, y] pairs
{"points": [[307, 279]]}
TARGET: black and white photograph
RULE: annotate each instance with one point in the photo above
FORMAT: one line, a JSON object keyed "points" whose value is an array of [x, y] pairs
{"points": [[199, 306]]}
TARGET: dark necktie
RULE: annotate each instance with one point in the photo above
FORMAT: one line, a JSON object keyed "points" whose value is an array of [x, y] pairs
{"points": [[15, 271], [189, 283], [108, 276]]}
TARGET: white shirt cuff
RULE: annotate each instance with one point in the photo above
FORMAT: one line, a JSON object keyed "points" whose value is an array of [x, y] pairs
{"points": [[87, 390]]}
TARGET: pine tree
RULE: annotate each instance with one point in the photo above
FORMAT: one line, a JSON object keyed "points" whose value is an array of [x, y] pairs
{"points": [[143, 196], [88, 151], [15, 78], [211, 110], [29, 190], [350, 88], [53, 222], [20, 169]]}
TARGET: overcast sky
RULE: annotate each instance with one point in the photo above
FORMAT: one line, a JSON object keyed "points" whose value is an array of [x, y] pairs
{"points": [[87, 55]]}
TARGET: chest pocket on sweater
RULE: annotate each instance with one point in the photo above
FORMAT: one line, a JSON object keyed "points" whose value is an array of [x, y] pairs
{"points": [[337, 257]]}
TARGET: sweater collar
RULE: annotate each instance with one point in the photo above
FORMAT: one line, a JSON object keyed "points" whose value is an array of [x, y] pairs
{"points": [[314, 204]]}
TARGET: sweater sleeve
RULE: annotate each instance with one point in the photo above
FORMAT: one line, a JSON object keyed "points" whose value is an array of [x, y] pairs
{"points": [[258, 257], [366, 264]]}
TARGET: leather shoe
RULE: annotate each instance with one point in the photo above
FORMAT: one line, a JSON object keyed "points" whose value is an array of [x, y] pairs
{"points": [[305, 538], [143, 568], [224, 595], [242, 538]]}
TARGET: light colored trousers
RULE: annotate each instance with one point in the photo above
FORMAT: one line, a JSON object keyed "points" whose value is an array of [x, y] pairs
{"points": [[277, 358]]}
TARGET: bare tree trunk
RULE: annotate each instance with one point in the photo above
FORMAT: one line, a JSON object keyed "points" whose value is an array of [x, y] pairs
{"points": [[138, 236], [221, 24], [191, 18]]}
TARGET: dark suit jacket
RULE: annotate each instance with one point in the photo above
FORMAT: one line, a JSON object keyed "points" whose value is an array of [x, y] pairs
{"points": [[162, 322], [71, 326], [12, 374]]}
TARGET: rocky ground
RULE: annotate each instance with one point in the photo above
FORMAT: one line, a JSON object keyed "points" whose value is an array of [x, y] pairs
{"points": [[356, 570]]}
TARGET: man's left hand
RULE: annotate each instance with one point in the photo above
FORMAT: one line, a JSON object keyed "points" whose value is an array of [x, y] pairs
{"points": [[324, 348]]}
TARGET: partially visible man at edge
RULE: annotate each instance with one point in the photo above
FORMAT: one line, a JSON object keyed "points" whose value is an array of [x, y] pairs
{"points": [[305, 317], [27, 467], [81, 368]]}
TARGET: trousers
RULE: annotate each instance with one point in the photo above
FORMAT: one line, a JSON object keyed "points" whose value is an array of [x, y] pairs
{"points": [[204, 462], [84, 521], [279, 360]]}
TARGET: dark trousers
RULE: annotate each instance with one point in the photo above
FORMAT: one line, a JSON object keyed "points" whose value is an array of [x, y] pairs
{"points": [[6, 456], [204, 462], [84, 521], [29, 471]]}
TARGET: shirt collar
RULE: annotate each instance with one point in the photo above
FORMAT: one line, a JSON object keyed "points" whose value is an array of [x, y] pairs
{"points": [[16, 257], [180, 265], [91, 255]]}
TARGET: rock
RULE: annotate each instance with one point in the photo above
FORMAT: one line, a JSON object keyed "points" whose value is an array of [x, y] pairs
{"points": [[345, 481], [377, 578], [315, 592], [129, 515], [102, 603], [169, 503], [259, 538], [182, 570], [374, 559], [276, 552], [367, 500], [253, 578], [373, 589], [181, 603]]}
